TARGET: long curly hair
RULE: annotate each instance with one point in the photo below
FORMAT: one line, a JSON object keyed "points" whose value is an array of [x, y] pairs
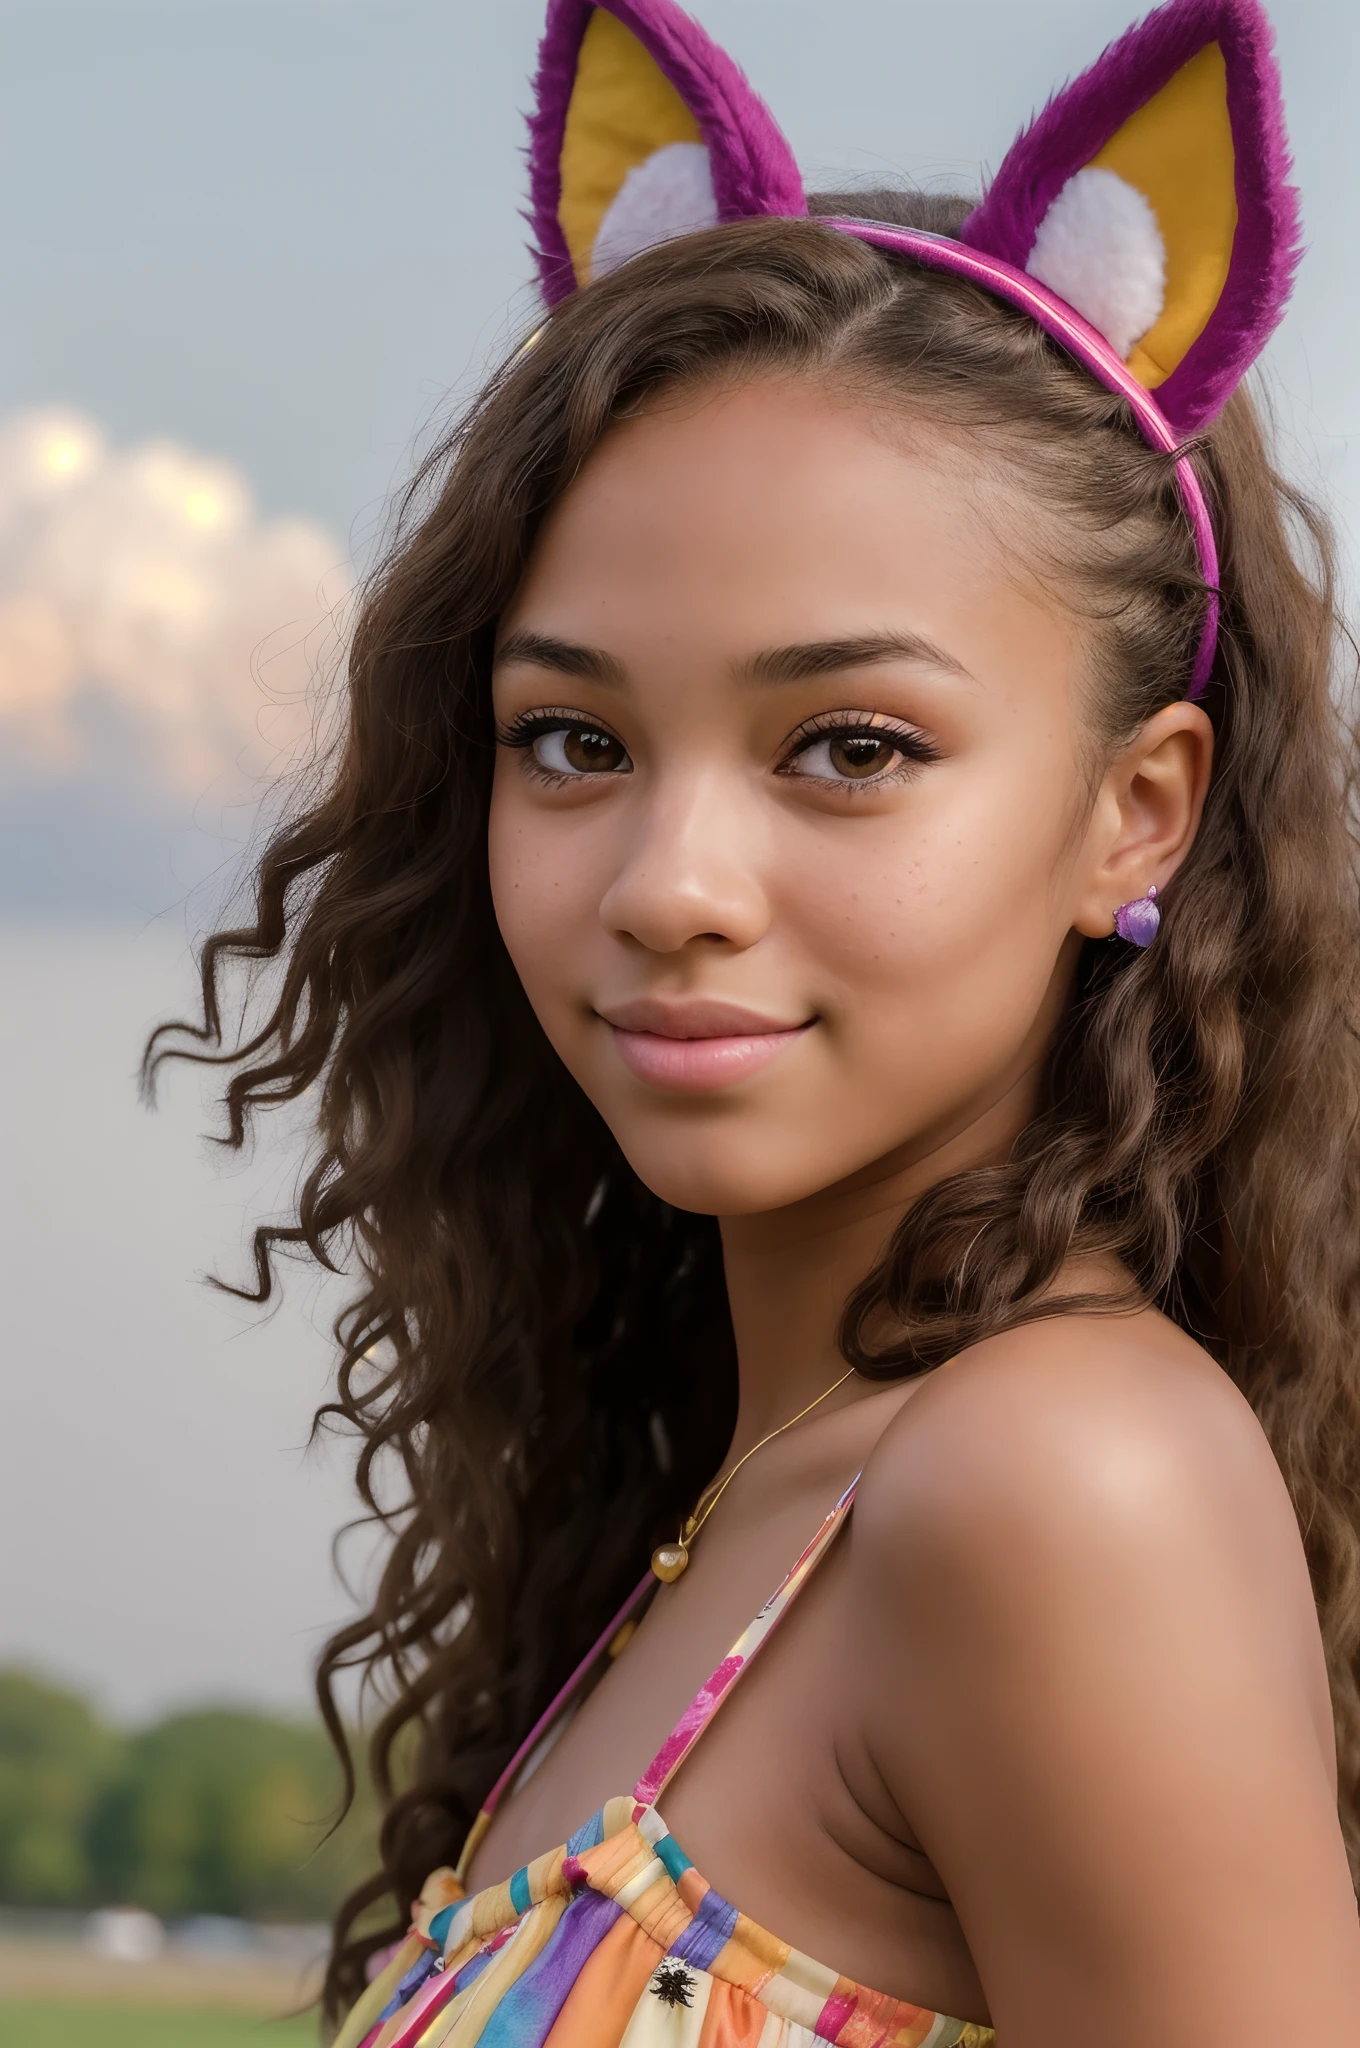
{"points": [[538, 1348]]}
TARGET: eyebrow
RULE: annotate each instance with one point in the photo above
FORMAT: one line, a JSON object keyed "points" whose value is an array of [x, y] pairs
{"points": [[807, 658], [793, 664], [564, 657]]}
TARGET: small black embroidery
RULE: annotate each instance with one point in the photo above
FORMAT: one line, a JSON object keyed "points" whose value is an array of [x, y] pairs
{"points": [[673, 1984]]}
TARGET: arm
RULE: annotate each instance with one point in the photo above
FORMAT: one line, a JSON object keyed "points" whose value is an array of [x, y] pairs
{"points": [[1099, 1699]]}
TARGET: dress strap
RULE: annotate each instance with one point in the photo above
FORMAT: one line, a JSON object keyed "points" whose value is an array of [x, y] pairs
{"points": [[702, 1707], [644, 1586], [710, 1697]]}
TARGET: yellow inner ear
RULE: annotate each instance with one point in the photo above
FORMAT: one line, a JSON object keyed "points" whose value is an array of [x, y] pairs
{"points": [[622, 109], [1178, 152]]}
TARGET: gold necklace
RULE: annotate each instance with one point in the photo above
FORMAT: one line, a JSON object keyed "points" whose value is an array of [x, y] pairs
{"points": [[669, 1560]]}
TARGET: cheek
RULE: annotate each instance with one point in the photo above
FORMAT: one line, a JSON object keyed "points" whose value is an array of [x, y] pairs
{"points": [[960, 894], [544, 887], [521, 888]]}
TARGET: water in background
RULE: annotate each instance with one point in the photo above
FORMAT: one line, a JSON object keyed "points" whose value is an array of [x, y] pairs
{"points": [[164, 1536]]}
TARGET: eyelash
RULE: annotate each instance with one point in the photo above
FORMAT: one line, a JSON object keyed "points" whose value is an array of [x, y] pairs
{"points": [[916, 750], [526, 726], [522, 731]]}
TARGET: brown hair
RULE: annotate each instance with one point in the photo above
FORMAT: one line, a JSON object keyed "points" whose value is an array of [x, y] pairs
{"points": [[538, 1343]]}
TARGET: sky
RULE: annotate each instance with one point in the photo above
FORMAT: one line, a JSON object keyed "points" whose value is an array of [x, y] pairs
{"points": [[255, 253]]}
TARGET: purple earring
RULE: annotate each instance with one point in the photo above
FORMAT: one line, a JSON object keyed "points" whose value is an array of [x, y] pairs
{"points": [[1138, 922]]}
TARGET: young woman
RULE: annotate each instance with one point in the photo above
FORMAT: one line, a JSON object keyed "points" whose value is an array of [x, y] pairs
{"points": [[829, 956]]}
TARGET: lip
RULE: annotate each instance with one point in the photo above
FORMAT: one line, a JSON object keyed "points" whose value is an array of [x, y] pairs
{"points": [[699, 1017], [696, 1046]]}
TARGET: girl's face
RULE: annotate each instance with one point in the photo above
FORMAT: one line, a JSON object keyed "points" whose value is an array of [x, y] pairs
{"points": [[791, 838]]}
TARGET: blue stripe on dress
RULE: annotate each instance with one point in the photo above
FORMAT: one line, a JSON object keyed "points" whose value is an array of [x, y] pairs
{"points": [[673, 1856], [526, 2012], [710, 1930], [519, 1891], [589, 1836], [410, 1983], [473, 1967]]}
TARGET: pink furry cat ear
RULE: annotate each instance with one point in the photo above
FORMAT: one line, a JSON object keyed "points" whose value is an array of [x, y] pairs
{"points": [[643, 129], [1152, 195]]}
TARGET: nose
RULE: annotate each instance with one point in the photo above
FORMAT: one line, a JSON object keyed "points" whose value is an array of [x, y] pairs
{"points": [[689, 873]]}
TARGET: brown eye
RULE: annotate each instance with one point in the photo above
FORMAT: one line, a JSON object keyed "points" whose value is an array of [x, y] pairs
{"points": [[857, 756], [580, 750], [590, 750], [858, 752]]}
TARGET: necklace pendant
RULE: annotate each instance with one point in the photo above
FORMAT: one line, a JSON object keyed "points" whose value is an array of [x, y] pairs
{"points": [[668, 1561]]}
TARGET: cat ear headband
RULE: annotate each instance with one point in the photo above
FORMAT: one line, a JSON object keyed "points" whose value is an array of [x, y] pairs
{"points": [[1144, 219]]}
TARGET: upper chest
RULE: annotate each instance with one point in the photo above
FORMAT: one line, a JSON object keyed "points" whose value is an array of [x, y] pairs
{"points": [[776, 1804], [744, 1566], [618, 1723]]}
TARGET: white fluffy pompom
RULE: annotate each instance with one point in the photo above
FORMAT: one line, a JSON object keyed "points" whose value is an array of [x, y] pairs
{"points": [[670, 194], [1099, 247]]}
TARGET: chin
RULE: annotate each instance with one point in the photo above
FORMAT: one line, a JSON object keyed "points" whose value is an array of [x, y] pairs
{"points": [[735, 1176]]}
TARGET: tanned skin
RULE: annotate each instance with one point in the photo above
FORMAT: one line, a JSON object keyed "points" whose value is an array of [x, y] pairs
{"points": [[1047, 1740]]}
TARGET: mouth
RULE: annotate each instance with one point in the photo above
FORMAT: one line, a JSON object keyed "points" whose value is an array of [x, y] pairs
{"points": [[692, 1047]]}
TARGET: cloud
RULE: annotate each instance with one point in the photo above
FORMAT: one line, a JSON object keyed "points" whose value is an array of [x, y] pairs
{"points": [[155, 633]]}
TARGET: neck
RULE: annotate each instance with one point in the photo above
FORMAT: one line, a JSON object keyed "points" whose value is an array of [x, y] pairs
{"points": [[790, 1271]]}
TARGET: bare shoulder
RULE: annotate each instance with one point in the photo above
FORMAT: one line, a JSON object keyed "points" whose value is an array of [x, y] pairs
{"points": [[1077, 1415], [1093, 1688], [1108, 1445]]}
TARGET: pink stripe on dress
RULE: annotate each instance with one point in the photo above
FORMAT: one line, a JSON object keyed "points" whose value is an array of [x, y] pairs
{"points": [[708, 1699]]}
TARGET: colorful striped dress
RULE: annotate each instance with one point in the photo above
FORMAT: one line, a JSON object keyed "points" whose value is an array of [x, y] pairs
{"points": [[615, 1940]]}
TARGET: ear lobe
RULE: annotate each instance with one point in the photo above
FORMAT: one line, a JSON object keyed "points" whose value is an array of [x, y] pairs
{"points": [[644, 129], [1152, 196]]}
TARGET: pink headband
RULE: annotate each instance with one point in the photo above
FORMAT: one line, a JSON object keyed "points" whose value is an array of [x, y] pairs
{"points": [[1144, 219], [938, 252]]}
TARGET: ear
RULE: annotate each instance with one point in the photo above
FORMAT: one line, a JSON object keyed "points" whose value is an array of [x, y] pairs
{"points": [[644, 129], [1146, 814], [1152, 196]]}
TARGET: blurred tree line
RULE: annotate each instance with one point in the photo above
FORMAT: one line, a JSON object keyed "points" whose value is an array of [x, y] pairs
{"points": [[214, 1811]]}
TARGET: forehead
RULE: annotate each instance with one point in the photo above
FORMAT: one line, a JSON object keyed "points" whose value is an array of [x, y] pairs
{"points": [[772, 511]]}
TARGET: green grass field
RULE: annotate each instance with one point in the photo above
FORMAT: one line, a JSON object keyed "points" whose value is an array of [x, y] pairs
{"points": [[42, 2023]]}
